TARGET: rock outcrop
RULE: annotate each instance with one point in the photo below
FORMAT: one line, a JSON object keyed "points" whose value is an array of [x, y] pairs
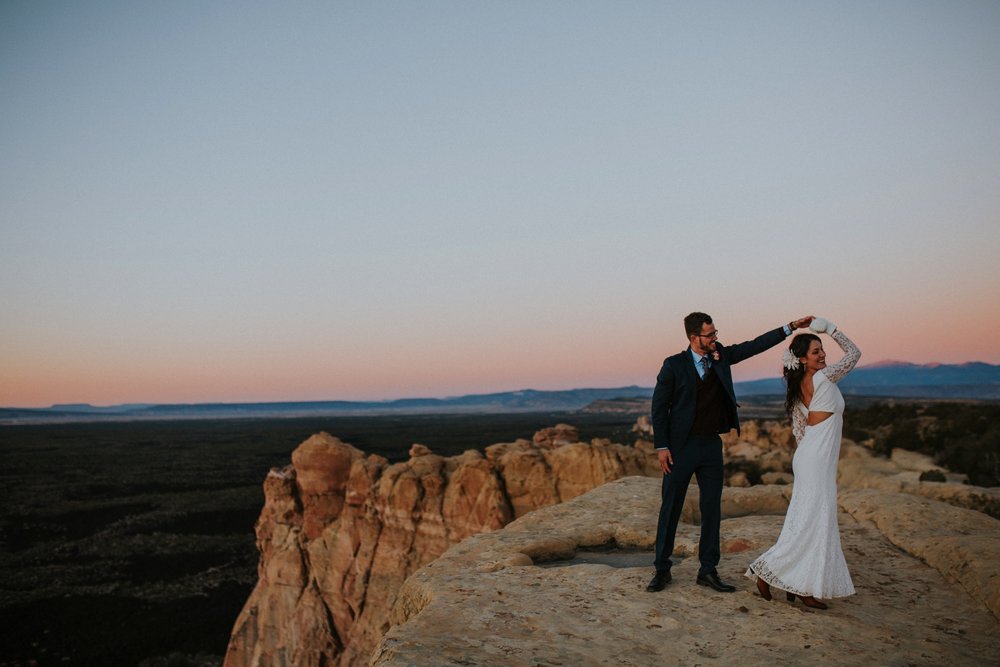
{"points": [[341, 531], [768, 444], [860, 469], [921, 463], [565, 585]]}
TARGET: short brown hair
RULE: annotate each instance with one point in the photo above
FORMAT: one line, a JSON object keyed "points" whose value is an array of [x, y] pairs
{"points": [[694, 322]]}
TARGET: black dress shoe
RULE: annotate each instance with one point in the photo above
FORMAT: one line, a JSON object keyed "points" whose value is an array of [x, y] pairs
{"points": [[712, 579], [659, 581]]}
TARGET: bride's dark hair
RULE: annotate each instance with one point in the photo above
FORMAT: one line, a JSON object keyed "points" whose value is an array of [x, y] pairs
{"points": [[793, 377]]}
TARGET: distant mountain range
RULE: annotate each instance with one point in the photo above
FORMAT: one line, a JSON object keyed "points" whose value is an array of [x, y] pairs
{"points": [[969, 381], [900, 379], [527, 400]]}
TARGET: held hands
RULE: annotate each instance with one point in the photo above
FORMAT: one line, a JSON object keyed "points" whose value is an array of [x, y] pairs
{"points": [[820, 325], [801, 323], [816, 324], [666, 459]]}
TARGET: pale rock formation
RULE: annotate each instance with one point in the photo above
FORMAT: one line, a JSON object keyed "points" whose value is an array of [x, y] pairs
{"points": [[643, 426], [340, 532], [769, 444], [776, 478], [739, 501], [962, 544], [908, 460], [860, 469], [560, 434], [322, 467], [738, 479], [537, 592], [539, 475]]}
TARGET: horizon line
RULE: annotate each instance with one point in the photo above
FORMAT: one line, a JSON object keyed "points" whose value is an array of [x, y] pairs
{"points": [[882, 363]]}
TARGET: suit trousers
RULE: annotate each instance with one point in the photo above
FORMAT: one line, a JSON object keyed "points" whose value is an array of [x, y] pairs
{"points": [[700, 456]]}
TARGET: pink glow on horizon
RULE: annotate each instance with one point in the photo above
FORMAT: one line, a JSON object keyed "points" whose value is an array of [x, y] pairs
{"points": [[291, 378]]}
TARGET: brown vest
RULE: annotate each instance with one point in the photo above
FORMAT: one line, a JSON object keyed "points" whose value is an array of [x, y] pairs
{"points": [[710, 407]]}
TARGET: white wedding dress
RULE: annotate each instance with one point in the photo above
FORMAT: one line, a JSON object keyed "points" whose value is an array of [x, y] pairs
{"points": [[807, 559]]}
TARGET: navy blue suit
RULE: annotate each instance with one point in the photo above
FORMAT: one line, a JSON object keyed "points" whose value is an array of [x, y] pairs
{"points": [[673, 415]]}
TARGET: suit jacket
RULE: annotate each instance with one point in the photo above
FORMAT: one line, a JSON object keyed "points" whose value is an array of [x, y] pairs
{"points": [[675, 395]]}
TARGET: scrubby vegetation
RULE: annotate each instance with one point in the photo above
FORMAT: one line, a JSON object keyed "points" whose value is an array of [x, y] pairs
{"points": [[933, 476], [963, 437]]}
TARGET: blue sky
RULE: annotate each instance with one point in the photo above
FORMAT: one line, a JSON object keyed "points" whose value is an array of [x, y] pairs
{"points": [[287, 201]]}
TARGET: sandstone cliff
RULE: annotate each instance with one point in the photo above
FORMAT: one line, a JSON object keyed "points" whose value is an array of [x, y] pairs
{"points": [[341, 531]]}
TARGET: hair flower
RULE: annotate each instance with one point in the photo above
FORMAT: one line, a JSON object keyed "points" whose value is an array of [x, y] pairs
{"points": [[789, 360]]}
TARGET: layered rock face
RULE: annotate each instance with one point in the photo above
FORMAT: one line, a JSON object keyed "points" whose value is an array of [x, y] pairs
{"points": [[341, 531]]}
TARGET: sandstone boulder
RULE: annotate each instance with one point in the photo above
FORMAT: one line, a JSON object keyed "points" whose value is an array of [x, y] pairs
{"points": [[767, 444], [560, 434], [643, 426], [322, 466], [777, 478], [738, 479]]}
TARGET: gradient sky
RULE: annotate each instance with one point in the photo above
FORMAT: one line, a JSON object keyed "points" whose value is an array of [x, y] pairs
{"points": [[250, 201]]}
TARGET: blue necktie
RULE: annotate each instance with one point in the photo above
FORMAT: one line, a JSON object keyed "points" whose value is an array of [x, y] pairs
{"points": [[704, 366]]}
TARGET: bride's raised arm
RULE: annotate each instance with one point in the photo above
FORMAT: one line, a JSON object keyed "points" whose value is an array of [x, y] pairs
{"points": [[852, 354]]}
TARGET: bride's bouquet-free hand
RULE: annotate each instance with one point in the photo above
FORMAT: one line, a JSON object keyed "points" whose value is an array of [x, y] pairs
{"points": [[821, 325]]}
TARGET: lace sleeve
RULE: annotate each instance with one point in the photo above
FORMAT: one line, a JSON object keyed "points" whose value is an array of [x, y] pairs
{"points": [[798, 424], [850, 359]]}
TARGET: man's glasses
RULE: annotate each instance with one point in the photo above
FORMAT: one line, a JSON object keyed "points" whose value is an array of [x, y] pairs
{"points": [[710, 334]]}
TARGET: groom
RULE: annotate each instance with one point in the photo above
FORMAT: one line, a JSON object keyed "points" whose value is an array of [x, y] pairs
{"points": [[693, 403]]}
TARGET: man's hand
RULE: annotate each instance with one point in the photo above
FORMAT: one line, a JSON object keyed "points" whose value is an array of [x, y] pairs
{"points": [[666, 460], [802, 323]]}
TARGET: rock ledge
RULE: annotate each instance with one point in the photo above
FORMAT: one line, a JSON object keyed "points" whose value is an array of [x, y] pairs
{"points": [[498, 599]]}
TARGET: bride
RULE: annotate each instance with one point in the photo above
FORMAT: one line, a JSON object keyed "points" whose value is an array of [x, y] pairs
{"points": [[807, 560]]}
